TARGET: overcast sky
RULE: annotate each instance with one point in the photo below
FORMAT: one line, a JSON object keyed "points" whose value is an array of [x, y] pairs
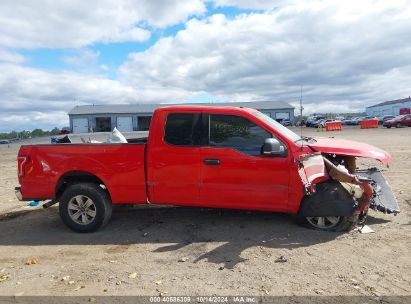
{"points": [[58, 54]]}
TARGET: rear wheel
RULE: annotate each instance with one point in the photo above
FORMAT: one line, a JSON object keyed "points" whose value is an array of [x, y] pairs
{"points": [[329, 223], [85, 207]]}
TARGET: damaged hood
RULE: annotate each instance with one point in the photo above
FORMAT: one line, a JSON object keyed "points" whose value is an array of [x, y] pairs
{"points": [[349, 148]]}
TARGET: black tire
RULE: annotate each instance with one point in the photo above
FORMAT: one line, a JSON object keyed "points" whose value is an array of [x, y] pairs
{"points": [[388, 126], [96, 215], [344, 223]]}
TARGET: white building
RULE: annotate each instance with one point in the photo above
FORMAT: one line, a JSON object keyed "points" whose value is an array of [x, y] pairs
{"points": [[137, 117], [391, 107]]}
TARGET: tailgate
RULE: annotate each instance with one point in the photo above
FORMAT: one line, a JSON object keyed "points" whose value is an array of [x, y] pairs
{"points": [[384, 199]]}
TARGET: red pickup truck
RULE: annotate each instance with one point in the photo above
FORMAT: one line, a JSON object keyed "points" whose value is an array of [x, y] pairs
{"points": [[222, 157]]}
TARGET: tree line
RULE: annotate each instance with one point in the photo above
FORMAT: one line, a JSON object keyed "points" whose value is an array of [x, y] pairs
{"points": [[29, 134]]}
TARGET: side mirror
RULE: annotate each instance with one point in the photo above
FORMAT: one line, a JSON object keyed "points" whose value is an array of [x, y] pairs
{"points": [[272, 146]]}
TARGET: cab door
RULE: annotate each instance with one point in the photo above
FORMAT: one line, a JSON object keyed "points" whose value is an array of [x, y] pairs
{"points": [[234, 173], [173, 160]]}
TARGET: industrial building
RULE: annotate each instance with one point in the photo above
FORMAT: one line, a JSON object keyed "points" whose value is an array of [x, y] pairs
{"points": [[392, 107], [137, 117]]}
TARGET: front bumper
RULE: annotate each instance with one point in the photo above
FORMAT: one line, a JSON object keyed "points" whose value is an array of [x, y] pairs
{"points": [[17, 191], [383, 198]]}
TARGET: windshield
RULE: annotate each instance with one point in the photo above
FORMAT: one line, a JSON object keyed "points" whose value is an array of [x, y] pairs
{"points": [[277, 126]]}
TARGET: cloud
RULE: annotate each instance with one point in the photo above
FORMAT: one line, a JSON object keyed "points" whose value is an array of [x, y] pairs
{"points": [[77, 23], [256, 4], [85, 61], [163, 13], [132, 34], [341, 53], [31, 120], [32, 97], [82, 57], [30, 89], [346, 55], [13, 57]]}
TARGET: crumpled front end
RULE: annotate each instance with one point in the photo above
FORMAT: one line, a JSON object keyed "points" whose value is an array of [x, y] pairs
{"points": [[367, 188]]}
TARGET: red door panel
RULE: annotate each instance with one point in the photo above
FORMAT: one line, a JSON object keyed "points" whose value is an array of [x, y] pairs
{"points": [[243, 181], [175, 175], [173, 169]]}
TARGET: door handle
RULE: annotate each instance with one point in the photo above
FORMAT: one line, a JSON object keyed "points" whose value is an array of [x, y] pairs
{"points": [[212, 161]]}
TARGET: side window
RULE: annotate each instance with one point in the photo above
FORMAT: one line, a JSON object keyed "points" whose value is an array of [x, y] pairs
{"points": [[182, 129], [236, 132]]}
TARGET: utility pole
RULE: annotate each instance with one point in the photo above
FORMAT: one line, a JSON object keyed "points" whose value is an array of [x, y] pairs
{"points": [[301, 112], [301, 103]]}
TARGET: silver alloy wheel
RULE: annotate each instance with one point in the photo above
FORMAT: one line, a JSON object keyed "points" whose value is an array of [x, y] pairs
{"points": [[82, 209], [324, 222]]}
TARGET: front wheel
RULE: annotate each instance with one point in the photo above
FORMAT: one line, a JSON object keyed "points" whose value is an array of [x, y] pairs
{"points": [[329, 223], [85, 207]]}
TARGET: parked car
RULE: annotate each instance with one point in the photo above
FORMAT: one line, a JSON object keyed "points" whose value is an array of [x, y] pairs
{"points": [[206, 156], [300, 123], [308, 122], [356, 121], [65, 131], [312, 120], [323, 122], [286, 122], [384, 118], [347, 121], [314, 124], [4, 141], [398, 122]]}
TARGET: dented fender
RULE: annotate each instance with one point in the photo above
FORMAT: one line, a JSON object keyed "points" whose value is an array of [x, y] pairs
{"points": [[331, 198], [312, 170]]}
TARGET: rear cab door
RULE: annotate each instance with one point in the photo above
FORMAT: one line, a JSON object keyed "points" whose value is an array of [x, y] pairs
{"points": [[173, 157]]}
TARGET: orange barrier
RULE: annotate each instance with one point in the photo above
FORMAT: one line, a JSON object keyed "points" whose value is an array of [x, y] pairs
{"points": [[333, 126], [369, 123]]}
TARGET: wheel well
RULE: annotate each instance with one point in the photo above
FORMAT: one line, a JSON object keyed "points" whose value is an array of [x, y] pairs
{"points": [[76, 177], [330, 199]]}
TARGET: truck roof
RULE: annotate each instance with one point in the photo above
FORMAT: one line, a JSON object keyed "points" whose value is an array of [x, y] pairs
{"points": [[205, 108]]}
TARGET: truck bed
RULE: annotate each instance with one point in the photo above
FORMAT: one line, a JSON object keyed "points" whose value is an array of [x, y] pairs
{"points": [[120, 167]]}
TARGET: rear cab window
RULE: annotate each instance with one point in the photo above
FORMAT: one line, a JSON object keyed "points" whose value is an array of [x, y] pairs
{"points": [[182, 129]]}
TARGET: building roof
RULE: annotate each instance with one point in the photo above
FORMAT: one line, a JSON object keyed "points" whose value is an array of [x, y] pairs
{"points": [[149, 108], [390, 102]]}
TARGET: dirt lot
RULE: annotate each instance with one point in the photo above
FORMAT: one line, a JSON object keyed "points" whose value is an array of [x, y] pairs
{"points": [[183, 251]]}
